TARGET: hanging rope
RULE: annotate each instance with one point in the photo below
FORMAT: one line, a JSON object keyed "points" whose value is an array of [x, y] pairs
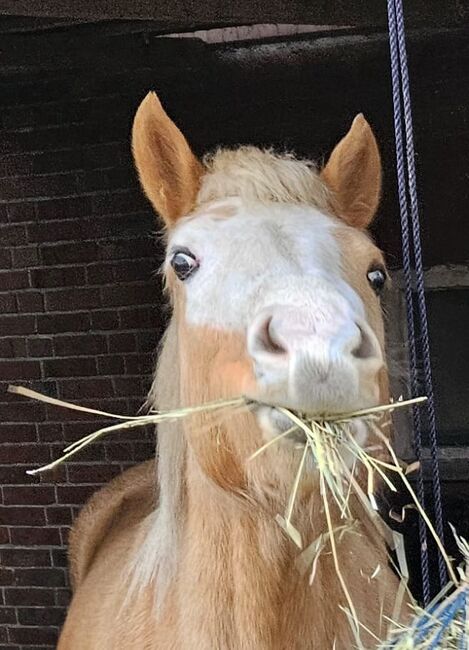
{"points": [[412, 251]]}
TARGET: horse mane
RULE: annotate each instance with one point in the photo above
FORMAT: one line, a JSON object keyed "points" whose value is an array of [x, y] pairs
{"points": [[257, 175], [157, 557]]}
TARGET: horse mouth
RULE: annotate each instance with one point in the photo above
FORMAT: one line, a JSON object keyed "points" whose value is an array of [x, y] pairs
{"points": [[275, 423]]}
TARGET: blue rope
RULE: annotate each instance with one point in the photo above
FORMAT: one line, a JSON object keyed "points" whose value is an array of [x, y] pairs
{"points": [[407, 191]]}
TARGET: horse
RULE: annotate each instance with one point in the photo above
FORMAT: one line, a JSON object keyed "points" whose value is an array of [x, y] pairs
{"points": [[275, 286]]}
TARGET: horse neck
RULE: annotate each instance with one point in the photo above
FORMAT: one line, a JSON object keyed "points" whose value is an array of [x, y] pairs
{"points": [[238, 579]]}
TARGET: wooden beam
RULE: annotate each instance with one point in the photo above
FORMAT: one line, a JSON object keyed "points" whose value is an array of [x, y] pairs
{"points": [[169, 15]]}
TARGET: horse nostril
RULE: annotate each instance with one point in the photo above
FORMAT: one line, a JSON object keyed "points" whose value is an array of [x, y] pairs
{"points": [[365, 348], [268, 340]]}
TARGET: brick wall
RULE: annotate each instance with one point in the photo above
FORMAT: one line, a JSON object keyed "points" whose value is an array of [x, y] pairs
{"points": [[81, 314]]}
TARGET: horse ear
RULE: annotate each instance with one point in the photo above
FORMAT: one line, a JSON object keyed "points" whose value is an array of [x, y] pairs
{"points": [[353, 174], [169, 172]]}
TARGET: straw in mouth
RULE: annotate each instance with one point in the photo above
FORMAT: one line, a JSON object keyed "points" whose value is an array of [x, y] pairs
{"points": [[327, 440]]}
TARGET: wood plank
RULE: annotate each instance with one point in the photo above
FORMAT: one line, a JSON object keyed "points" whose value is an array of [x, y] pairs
{"points": [[168, 15]]}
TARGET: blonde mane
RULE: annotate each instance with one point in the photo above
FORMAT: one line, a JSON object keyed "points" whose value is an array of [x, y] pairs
{"points": [[257, 175], [157, 557]]}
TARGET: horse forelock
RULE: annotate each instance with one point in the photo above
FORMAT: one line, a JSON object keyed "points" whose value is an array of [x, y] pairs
{"points": [[253, 174]]}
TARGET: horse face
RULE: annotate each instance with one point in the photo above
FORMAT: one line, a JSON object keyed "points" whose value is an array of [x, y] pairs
{"points": [[274, 281], [287, 280]]}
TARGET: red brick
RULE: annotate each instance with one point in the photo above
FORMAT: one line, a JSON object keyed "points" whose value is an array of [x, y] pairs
{"points": [[92, 473], [47, 616], [119, 451], [99, 274], [148, 341], [70, 230], [74, 493], [128, 386], [22, 516], [118, 202], [143, 451], [59, 515], [39, 347], [31, 597], [19, 370], [18, 324], [46, 185], [21, 211], [13, 280], [59, 557], [12, 235], [70, 367], [50, 432], [110, 365], [7, 576], [50, 324], [25, 557], [35, 536], [7, 616], [102, 155], [22, 411], [64, 535], [13, 347], [5, 258], [23, 454], [10, 475], [58, 277], [30, 302], [29, 494], [43, 577], [104, 320], [121, 342], [86, 388], [18, 165], [14, 432], [7, 303], [5, 535], [128, 294], [63, 597], [89, 181], [66, 208], [139, 317], [72, 299], [80, 345], [69, 253], [75, 430], [55, 475], [33, 635], [57, 161], [138, 364], [121, 249], [139, 270], [25, 257]]}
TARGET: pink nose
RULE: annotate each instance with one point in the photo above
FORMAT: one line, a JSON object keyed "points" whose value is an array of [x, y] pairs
{"points": [[276, 336]]}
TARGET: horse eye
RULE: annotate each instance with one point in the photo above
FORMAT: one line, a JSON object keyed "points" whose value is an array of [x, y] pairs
{"points": [[377, 279], [184, 264]]}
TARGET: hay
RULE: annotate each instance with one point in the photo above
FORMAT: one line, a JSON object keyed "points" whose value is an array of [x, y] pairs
{"points": [[127, 421], [327, 440], [444, 625]]}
